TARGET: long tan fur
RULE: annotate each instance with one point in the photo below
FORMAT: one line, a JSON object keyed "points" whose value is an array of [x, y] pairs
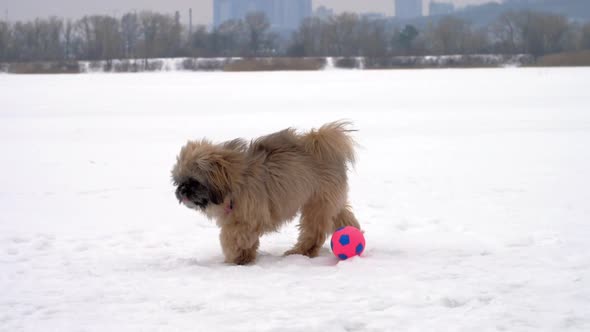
{"points": [[264, 184]]}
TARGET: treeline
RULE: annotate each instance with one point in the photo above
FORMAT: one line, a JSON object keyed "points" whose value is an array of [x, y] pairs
{"points": [[143, 35], [511, 33], [147, 35]]}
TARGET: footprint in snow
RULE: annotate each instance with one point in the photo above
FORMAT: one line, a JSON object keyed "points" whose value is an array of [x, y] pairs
{"points": [[453, 302]]}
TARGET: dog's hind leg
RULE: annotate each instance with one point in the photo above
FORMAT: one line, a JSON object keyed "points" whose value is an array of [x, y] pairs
{"points": [[345, 218], [315, 224]]}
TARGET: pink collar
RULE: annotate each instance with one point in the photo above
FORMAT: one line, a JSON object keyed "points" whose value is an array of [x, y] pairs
{"points": [[229, 207]]}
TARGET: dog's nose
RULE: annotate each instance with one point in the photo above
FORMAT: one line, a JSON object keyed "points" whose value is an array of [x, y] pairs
{"points": [[179, 194], [183, 188]]}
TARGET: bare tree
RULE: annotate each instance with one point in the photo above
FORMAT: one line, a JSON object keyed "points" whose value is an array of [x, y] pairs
{"points": [[176, 37], [507, 32], [110, 37], [84, 31], [170, 36], [343, 35], [231, 38], [160, 35], [449, 36], [200, 42], [543, 33], [307, 40], [346, 34], [5, 41], [22, 40], [52, 38], [131, 33], [585, 40], [149, 31], [373, 38], [259, 38], [405, 38], [101, 36], [68, 40]]}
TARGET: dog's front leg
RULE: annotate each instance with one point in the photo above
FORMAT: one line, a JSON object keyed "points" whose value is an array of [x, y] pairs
{"points": [[239, 245]]}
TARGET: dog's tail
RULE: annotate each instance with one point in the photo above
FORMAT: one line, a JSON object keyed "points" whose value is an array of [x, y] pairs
{"points": [[332, 143]]}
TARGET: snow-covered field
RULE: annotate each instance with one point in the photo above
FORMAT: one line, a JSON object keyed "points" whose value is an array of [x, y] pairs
{"points": [[473, 187]]}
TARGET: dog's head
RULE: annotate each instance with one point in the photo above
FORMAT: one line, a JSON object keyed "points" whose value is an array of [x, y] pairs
{"points": [[206, 174]]}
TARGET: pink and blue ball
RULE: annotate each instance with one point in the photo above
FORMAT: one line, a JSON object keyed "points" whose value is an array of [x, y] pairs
{"points": [[347, 242]]}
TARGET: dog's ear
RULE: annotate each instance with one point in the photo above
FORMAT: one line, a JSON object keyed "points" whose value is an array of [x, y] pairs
{"points": [[189, 161], [216, 196], [225, 169]]}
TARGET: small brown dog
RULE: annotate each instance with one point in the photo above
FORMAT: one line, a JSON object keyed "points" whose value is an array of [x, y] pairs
{"points": [[252, 189]]}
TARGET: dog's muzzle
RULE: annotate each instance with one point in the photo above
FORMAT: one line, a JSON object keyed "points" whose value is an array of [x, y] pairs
{"points": [[192, 193]]}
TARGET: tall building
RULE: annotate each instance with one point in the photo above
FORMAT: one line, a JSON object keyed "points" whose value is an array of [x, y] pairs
{"points": [[408, 8], [323, 12], [440, 8], [282, 14], [290, 13]]}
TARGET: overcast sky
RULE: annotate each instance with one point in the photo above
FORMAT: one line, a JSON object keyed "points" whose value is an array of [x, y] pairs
{"points": [[27, 9]]}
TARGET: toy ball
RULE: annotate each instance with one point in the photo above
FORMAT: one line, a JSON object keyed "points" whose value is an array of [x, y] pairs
{"points": [[347, 242]]}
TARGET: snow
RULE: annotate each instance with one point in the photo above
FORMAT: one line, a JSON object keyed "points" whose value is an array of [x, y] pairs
{"points": [[472, 187]]}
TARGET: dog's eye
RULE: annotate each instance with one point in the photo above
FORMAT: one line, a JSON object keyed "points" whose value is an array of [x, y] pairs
{"points": [[193, 182], [177, 181]]}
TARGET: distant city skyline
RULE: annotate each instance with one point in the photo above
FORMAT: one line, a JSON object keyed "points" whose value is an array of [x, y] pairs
{"points": [[408, 8], [282, 14], [202, 9]]}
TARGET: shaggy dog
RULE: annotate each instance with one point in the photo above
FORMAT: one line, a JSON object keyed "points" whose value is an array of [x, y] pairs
{"points": [[252, 189]]}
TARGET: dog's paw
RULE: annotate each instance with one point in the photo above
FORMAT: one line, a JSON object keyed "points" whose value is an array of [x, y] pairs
{"points": [[244, 261], [244, 257], [298, 251], [293, 252]]}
